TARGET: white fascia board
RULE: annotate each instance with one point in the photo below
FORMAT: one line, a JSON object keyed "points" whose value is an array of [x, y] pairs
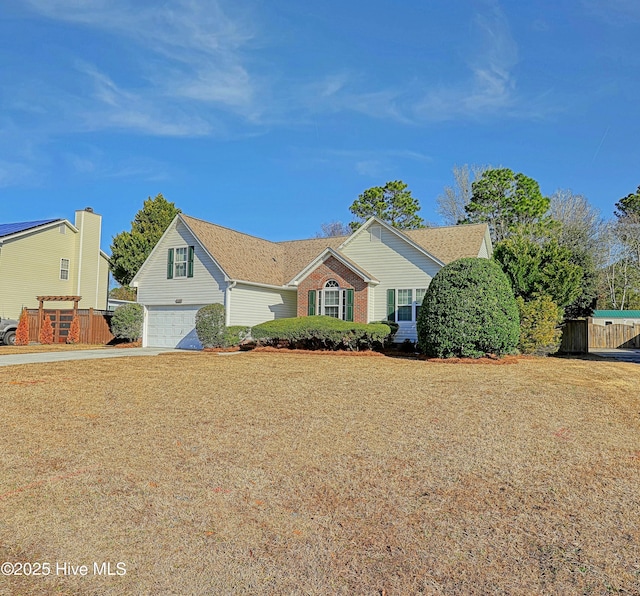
{"points": [[395, 231], [321, 258], [260, 285], [171, 226], [41, 228], [487, 239]]}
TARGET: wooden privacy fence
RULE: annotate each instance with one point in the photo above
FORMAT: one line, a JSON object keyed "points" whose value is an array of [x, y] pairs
{"points": [[94, 324], [580, 336], [614, 336], [575, 337]]}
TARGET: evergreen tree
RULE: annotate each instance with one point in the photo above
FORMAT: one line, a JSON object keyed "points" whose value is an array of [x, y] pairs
{"points": [[392, 203], [505, 200], [130, 249]]}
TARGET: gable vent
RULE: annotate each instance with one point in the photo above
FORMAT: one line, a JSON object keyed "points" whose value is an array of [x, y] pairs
{"points": [[376, 233]]}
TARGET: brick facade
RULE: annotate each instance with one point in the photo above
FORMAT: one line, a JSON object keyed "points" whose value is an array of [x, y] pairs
{"points": [[334, 269]]}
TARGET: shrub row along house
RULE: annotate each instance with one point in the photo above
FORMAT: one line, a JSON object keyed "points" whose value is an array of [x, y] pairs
{"points": [[376, 273], [52, 257]]}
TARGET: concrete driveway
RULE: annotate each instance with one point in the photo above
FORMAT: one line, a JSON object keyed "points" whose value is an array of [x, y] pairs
{"points": [[620, 354], [13, 359]]}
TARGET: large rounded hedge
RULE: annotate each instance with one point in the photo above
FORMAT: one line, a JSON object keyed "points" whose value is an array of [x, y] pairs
{"points": [[468, 311], [210, 325], [126, 322]]}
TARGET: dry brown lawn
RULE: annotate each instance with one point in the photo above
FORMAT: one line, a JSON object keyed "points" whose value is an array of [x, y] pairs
{"points": [[266, 473], [37, 348]]}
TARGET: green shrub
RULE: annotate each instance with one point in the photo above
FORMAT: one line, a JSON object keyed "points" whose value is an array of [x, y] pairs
{"points": [[210, 326], [321, 333], [540, 333], [126, 322], [392, 325], [234, 335], [468, 311]]}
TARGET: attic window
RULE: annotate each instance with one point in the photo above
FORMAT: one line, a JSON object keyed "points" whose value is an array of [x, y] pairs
{"points": [[180, 262], [376, 234]]}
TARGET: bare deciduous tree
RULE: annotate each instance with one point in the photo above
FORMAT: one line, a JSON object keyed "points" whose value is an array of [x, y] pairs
{"points": [[581, 223], [333, 228], [454, 199], [620, 275]]}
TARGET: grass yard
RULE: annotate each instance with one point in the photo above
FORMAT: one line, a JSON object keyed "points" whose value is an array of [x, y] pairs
{"points": [[267, 473], [34, 348]]}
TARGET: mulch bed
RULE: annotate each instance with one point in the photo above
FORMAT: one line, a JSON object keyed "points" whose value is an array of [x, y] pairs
{"points": [[126, 344], [365, 353]]}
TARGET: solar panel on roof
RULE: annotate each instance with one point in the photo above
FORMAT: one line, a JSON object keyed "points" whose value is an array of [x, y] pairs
{"points": [[14, 228]]}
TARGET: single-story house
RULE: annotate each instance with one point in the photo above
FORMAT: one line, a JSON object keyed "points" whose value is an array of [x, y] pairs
{"points": [[52, 257], [615, 317], [377, 273]]}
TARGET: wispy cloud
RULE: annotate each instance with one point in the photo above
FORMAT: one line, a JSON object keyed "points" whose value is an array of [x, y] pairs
{"points": [[193, 72], [93, 162], [138, 112], [189, 65], [489, 88], [365, 162], [16, 173]]}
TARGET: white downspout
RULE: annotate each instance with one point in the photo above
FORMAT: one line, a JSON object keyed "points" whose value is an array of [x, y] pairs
{"points": [[227, 303]]}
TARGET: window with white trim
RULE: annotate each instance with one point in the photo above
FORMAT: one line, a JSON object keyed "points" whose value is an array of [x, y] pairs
{"points": [[64, 269], [332, 301], [180, 262], [403, 304]]}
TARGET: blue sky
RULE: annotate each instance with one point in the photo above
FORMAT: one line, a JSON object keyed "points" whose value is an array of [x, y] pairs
{"points": [[271, 116]]}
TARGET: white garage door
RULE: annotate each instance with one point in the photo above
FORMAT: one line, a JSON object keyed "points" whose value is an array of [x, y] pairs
{"points": [[172, 327]]}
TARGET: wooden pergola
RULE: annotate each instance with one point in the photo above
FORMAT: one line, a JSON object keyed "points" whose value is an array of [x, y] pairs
{"points": [[43, 299], [94, 327]]}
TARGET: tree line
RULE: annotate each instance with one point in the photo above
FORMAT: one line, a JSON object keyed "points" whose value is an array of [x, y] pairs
{"points": [[556, 248]]}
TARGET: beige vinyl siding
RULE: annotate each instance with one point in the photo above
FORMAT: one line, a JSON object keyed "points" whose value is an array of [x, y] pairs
{"points": [[30, 267], [394, 262], [207, 286], [102, 283], [484, 253], [87, 260], [251, 305]]}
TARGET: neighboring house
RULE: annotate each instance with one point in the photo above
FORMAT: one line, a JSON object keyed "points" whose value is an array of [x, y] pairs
{"points": [[52, 257], [376, 273], [113, 303], [616, 317]]}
